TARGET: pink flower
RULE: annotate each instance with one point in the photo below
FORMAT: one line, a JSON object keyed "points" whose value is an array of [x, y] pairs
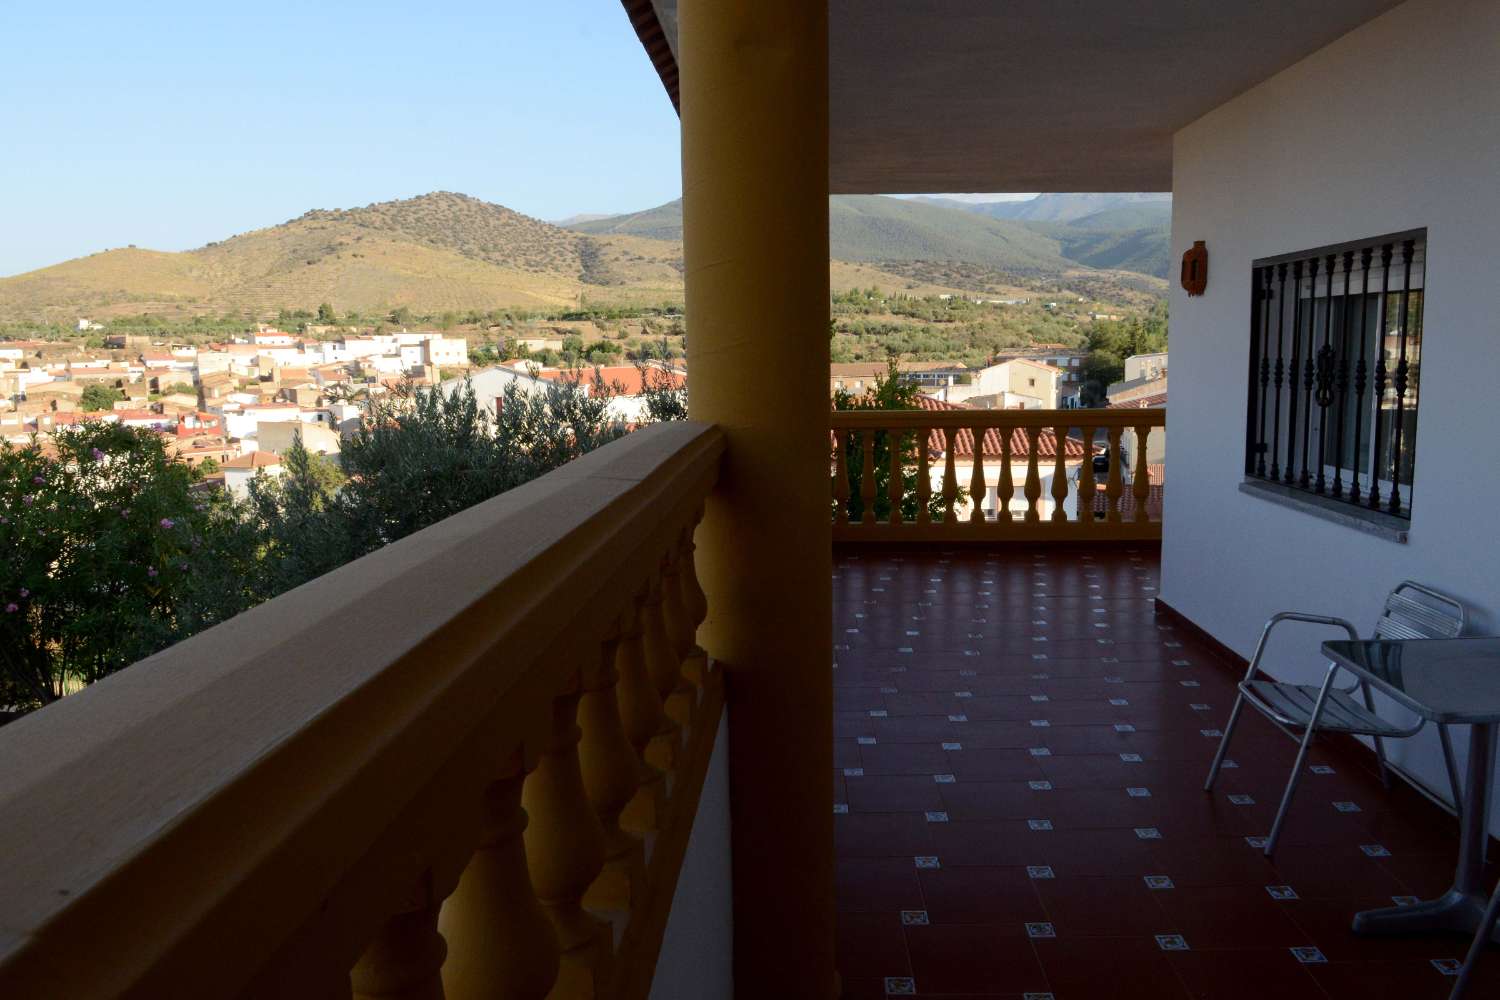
{"points": [[12, 608], [125, 512], [38, 480], [98, 455], [25, 592], [167, 522], [151, 571], [26, 500]]}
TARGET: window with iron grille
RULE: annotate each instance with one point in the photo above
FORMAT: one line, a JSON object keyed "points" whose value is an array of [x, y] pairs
{"points": [[1335, 364]]}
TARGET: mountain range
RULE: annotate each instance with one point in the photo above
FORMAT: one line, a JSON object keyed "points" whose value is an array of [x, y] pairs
{"points": [[446, 251]]}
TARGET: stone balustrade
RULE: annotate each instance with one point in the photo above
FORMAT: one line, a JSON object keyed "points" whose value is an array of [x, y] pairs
{"points": [[464, 766]]}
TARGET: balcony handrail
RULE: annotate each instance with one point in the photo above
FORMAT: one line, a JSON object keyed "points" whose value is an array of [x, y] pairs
{"points": [[988, 419], [293, 793], [926, 497]]}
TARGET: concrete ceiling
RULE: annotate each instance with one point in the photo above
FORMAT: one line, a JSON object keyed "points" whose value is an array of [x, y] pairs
{"points": [[1044, 95]]}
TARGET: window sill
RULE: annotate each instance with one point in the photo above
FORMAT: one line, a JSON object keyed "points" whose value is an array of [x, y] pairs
{"points": [[1392, 529]]}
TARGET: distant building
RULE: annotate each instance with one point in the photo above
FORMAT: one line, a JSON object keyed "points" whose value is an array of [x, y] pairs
{"points": [[1145, 366], [239, 471]]}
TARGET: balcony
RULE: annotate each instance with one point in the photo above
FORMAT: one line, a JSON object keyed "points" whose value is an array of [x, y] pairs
{"points": [[472, 765], [1020, 746]]}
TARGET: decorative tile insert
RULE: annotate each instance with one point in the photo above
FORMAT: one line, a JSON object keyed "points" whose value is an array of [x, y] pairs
{"points": [[1242, 800], [1171, 942], [1136, 792], [1447, 966], [1040, 786], [1159, 882], [944, 779], [1321, 769], [937, 817], [914, 918], [927, 862], [1347, 807], [900, 986], [1039, 871], [953, 746], [1375, 850], [1281, 892], [1148, 833], [865, 741], [1039, 824], [1040, 930]]}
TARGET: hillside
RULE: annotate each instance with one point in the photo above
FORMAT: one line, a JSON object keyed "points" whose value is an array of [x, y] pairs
{"points": [[449, 252], [436, 252], [969, 245]]}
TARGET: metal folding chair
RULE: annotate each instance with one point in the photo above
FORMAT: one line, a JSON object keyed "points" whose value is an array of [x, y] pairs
{"points": [[1412, 611]]}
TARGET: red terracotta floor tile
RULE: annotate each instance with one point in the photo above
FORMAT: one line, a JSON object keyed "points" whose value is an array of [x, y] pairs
{"points": [[973, 958], [950, 761]]}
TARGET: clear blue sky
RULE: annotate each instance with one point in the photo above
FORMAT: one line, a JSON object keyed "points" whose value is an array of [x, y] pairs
{"points": [[171, 124]]}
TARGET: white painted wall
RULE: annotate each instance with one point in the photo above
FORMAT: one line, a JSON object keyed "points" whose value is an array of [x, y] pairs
{"points": [[697, 951], [1394, 126]]}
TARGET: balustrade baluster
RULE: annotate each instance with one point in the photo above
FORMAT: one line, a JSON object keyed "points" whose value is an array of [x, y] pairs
{"points": [[611, 772], [897, 488], [1307, 372], [1141, 487], [840, 476], [977, 486], [1403, 371], [1325, 379], [1006, 490], [1113, 487], [694, 599], [1086, 488], [1291, 383], [1033, 477], [867, 477], [950, 478], [1343, 378], [1263, 315], [924, 476], [1386, 252], [1360, 373], [643, 717], [679, 629], [404, 961], [565, 850], [1279, 372], [1060, 474], [501, 943], [676, 695]]}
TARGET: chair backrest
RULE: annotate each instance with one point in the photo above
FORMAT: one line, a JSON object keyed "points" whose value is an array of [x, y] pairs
{"points": [[1417, 612]]}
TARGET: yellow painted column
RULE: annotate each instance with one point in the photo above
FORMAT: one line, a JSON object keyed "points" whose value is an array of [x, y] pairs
{"points": [[754, 90]]}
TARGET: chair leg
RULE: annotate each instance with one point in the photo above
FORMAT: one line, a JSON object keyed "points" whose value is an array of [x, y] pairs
{"points": [[1234, 719], [1385, 772], [1481, 939], [1291, 783], [1448, 759]]}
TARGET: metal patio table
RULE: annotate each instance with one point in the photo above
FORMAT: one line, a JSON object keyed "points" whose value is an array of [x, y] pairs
{"points": [[1452, 681]]}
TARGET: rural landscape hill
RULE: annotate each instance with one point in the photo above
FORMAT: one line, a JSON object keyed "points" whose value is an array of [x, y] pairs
{"points": [[431, 253], [446, 251], [1050, 235]]}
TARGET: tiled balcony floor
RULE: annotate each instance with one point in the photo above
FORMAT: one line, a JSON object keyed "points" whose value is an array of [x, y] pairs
{"points": [[1020, 747]]}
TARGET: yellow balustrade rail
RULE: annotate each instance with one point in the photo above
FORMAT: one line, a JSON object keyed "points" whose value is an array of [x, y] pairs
{"points": [[937, 470], [465, 765]]}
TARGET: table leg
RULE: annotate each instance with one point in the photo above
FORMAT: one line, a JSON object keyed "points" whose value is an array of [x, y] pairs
{"points": [[1460, 909]]}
